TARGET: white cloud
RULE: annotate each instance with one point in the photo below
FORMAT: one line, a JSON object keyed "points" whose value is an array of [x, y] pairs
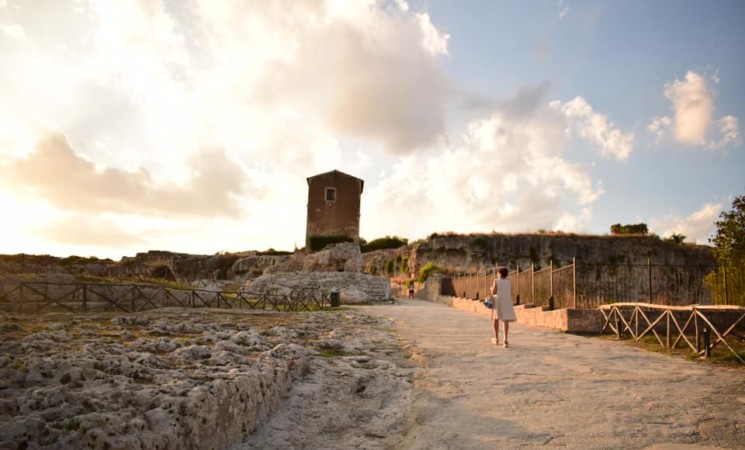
{"points": [[728, 132], [507, 174], [659, 126], [697, 227], [693, 124], [563, 9], [596, 128], [693, 105], [434, 41], [13, 31]]}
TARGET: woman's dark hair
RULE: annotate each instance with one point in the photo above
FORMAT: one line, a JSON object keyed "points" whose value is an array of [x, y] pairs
{"points": [[503, 272]]}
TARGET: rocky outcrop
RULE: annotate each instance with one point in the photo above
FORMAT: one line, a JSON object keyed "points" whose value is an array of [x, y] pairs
{"points": [[342, 257], [179, 378], [354, 288], [255, 265]]}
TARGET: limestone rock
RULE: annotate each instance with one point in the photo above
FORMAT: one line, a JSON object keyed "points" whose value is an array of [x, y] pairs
{"points": [[345, 256], [353, 287]]}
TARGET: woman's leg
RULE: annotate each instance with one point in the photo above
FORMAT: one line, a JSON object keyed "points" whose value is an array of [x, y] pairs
{"points": [[506, 332], [496, 330]]}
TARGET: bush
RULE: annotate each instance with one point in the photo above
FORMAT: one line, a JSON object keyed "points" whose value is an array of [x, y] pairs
{"points": [[382, 243], [427, 270], [636, 228]]}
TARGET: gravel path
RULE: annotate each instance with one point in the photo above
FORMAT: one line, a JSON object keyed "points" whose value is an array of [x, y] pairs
{"points": [[551, 389]]}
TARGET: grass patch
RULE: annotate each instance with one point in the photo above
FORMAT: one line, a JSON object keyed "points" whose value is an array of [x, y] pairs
{"points": [[719, 354], [331, 353]]}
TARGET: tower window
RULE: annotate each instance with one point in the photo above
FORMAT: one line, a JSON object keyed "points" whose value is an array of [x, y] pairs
{"points": [[330, 194]]}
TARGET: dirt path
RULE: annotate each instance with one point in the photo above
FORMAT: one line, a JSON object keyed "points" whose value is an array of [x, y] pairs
{"points": [[551, 389]]}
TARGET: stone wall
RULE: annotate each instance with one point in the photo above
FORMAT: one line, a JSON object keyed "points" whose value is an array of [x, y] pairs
{"points": [[469, 253]]}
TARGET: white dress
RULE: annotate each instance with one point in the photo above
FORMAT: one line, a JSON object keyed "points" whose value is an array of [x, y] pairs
{"points": [[503, 309]]}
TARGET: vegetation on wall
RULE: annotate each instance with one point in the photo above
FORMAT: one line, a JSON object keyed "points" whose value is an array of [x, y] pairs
{"points": [[635, 228], [427, 270], [676, 239], [273, 252], [387, 242]]}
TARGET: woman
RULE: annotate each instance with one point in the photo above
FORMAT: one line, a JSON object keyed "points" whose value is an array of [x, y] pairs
{"points": [[501, 289]]}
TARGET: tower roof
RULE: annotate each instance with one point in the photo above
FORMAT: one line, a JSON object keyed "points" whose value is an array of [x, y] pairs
{"points": [[362, 182]]}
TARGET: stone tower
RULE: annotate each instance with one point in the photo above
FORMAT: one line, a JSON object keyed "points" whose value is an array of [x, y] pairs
{"points": [[333, 208]]}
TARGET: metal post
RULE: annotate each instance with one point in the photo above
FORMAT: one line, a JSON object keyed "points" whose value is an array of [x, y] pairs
{"points": [[551, 278], [726, 291], [649, 271], [707, 338], [618, 325], [532, 283], [574, 281]]}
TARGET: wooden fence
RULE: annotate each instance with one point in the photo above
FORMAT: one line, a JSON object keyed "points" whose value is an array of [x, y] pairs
{"points": [[37, 296], [700, 325]]}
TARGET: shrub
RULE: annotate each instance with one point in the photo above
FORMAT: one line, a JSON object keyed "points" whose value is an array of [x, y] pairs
{"points": [[427, 270], [382, 243]]}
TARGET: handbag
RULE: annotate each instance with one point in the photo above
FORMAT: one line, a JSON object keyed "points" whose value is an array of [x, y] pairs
{"points": [[489, 302]]}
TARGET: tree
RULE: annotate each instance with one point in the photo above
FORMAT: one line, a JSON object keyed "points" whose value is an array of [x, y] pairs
{"points": [[729, 240], [636, 228], [676, 238]]}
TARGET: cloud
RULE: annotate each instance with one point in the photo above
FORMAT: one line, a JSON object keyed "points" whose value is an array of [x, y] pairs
{"points": [[693, 124], [693, 105], [596, 128], [697, 227], [563, 9], [86, 231], [72, 183], [507, 173], [13, 31]]}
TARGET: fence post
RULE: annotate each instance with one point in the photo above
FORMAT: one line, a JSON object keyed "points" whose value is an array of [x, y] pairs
{"points": [[649, 275], [574, 281], [551, 278], [532, 283]]}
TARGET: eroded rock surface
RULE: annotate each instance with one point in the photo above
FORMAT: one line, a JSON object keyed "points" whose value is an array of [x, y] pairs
{"points": [[178, 378]]}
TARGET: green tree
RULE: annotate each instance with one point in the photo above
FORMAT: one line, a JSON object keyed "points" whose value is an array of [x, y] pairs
{"points": [[727, 282], [676, 239], [729, 240], [632, 228]]}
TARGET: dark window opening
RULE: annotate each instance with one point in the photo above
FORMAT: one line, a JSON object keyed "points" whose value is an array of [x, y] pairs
{"points": [[330, 194]]}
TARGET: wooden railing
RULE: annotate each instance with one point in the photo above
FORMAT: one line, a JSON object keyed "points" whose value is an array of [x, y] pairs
{"points": [[700, 324], [40, 296]]}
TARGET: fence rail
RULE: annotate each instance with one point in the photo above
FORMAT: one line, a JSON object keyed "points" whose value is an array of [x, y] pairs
{"points": [[592, 285], [700, 323], [37, 296]]}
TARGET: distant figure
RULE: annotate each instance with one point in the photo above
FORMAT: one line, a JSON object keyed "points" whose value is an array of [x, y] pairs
{"points": [[502, 308], [411, 289]]}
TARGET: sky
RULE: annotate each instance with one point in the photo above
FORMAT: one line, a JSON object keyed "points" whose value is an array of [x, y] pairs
{"points": [[192, 125]]}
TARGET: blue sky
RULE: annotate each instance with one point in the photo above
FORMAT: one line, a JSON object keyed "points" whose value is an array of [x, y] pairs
{"points": [[191, 126]]}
